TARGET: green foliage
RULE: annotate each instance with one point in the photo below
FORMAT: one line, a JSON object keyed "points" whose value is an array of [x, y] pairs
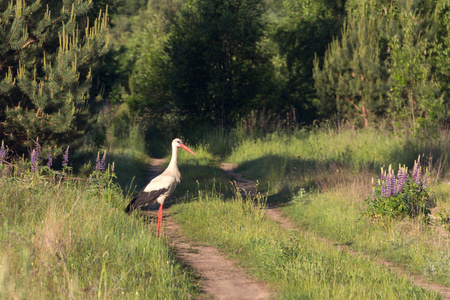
{"points": [[47, 51], [148, 83], [440, 57], [414, 95], [71, 239], [217, 65], [303, 33], [353, 77]]}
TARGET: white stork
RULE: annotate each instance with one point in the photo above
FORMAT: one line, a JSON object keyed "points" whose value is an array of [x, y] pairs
{"points": [[160, 187]]}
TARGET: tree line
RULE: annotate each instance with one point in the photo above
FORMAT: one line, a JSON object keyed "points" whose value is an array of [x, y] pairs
{"points": [[209, 63]]}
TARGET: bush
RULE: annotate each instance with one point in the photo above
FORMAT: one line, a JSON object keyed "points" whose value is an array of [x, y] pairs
{"points": [[398, 197]]}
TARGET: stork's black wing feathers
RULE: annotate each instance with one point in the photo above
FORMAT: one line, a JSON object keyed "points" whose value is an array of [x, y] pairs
{"points": [[144, 199]]}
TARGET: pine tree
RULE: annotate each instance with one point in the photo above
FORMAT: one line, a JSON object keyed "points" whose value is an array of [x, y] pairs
{"points": [[414, 94], [47, 51], [353, 79], [217, 65]]}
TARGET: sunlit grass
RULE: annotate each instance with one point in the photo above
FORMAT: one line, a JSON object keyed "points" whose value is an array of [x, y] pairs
{"points": [[295, 264], [336, 215], [295, 154], [71, 239], [335, 168]]}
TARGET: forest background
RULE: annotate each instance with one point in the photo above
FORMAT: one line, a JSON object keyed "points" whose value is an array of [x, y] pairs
{"points": [[89, 73]]}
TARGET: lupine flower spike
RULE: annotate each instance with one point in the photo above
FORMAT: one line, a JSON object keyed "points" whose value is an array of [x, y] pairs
{"points": [[417, 172], [103, 162], [2, 153], [49, 160], [100, 164], [35, 158], [97, 162], [66, 157]]}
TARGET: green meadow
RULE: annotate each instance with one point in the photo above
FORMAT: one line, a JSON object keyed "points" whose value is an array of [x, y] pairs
{"points": [[66, 235]]}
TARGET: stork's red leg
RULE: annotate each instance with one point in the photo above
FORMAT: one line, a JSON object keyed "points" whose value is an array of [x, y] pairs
{"points": [[160, 220]]}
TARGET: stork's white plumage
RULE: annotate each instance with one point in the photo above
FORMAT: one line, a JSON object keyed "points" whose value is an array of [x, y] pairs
{"points": [[161, 187]]}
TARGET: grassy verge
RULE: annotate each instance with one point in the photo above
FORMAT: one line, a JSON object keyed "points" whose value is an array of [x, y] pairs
{"points": [[335, 168], [336, 215], [297, 265], [71, 239], [308, 157]]}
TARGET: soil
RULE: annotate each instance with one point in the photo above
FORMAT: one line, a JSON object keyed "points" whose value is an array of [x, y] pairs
{"points": [[220, 277]]}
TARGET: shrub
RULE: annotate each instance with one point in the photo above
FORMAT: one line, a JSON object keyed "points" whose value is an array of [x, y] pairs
{"points": [[395, 197]]}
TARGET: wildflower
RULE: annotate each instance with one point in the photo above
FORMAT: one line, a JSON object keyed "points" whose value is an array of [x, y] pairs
{"points": [[390, 182], [2, 153], [97, 162], [35, 157], [66, 157], [100, 164], [49, 160], [402, 177], [103, 162], [417, 170], [112, 168]]}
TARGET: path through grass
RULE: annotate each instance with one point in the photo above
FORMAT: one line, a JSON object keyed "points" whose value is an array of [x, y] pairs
{"points": [[296, 265]]}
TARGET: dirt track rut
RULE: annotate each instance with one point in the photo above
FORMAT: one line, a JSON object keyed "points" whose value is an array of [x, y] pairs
{"points": [[220, 277]]}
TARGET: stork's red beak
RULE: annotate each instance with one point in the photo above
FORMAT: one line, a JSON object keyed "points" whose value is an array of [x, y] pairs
{"points": [[187, 149]]}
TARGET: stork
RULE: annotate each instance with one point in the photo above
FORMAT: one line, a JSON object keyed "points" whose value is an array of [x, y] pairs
{"points": [[161, 187]]}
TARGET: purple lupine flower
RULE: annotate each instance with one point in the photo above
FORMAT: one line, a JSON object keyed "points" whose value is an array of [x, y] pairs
{"points": [[103, 162], [402, 177], [49, 160], [393, 182], [97, 162], [383, 189], [417, 170], [66, 157], [2, 153], [35, 157], [100, 164], [389, 185]]}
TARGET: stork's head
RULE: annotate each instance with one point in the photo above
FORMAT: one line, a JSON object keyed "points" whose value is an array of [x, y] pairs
{"points": [[178, 143]]}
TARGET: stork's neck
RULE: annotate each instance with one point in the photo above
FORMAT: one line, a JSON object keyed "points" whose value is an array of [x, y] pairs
{"points": [[173, 161]]}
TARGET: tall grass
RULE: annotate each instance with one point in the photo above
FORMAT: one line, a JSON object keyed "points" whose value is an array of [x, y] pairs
{"points": [[337, 215], [295, 264], [335, 168], [70, 239], [126, 147], [280, 155]]}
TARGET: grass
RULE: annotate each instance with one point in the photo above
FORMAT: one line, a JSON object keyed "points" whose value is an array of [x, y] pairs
{"points": [[71, 239], [302, 156], [335, 168], [336, 215], [295, 264]]}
